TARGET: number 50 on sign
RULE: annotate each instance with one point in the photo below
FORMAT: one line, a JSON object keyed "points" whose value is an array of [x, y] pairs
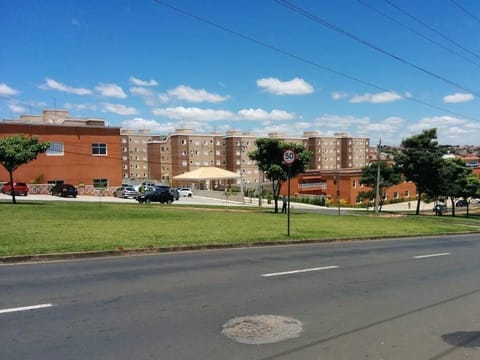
{"points": [[288, 156]]}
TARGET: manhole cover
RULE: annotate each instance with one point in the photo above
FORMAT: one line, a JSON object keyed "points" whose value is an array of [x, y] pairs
{"points": [[262, 329]]}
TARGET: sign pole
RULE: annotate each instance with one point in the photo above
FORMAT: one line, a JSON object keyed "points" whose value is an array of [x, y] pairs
{"points": [[288, 157], [288, 200]]}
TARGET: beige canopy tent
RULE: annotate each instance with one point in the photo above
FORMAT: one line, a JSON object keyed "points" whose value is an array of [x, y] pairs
{"points": [[207, 174]]}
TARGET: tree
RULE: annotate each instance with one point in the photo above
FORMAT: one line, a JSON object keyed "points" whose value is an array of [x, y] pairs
{"points": [[453, 179], [18, 150], [471, 189], [268, 157], [389, 176], [420, 161]]}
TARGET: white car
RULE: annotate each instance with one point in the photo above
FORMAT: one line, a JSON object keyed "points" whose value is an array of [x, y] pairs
{"points": [[185, 191]]}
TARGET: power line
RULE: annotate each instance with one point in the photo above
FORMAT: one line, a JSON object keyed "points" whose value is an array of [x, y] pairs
{"points": [[348, 34], [465, 10], [417, 32], [431, 28], [305, 60]]}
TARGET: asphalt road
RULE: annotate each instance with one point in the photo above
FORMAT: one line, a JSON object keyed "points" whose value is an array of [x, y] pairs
{"points": [[396, 299]]}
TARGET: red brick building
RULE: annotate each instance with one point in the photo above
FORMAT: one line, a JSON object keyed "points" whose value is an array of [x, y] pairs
{"points": [[343, 184], [83, 152]]}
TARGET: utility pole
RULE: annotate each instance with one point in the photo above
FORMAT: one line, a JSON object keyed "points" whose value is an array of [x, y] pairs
{"points": [[377, 185]]}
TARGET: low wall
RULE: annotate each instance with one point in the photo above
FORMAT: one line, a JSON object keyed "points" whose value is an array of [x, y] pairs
{"points": [[88, 190]]}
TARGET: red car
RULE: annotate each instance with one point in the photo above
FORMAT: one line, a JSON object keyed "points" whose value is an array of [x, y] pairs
{"points": [[20, 188]]}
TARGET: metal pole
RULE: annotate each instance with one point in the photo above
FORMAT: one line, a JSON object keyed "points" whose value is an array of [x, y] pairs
{"points": [[288, 201]]}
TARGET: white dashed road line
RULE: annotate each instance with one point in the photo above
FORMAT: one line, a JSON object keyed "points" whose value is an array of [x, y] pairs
{"points": [[300, 271], [25, 308], [430, 255]]}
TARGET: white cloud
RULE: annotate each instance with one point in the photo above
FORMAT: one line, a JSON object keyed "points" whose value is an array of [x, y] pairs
{"points": [[260, 114], [6, 90], [450, 130], [51, 84], [138, 82], [80, 107], [439, 122], [384, 97], [458, 98], [295, 86], [16, 108], [193, 113], [119, 109], [338, 95], [111, 90], [141, 91], [187, 93], [340, 122]]}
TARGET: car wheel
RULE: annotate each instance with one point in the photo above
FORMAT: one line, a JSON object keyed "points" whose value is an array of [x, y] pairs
{"points": [[189, 195]]}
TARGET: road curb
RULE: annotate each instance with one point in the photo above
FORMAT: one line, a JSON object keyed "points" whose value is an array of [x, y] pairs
{"points": [[182, 248]]}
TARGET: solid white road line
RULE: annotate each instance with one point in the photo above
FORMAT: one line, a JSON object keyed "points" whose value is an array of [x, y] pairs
{"points": [[430, 255], [300, 271], [25, 308]]}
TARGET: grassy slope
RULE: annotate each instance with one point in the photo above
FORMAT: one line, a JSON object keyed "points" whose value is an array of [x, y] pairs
{"points": [[48, 227]]}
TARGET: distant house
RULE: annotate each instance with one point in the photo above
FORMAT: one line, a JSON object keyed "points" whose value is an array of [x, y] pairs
{"points": [[343, 185], [83, 152]]}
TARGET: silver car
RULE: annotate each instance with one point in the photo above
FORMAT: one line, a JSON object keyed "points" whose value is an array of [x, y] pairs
{"points": [[127, 192]]}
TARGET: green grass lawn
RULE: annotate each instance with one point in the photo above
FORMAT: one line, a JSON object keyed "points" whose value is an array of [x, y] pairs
{"points": [[53, 227]]}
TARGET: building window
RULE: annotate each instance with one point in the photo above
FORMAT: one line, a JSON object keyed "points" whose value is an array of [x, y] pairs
{"points": [[100, 183], [354, 184], [99, 149], [55, 149], [407, 193]]}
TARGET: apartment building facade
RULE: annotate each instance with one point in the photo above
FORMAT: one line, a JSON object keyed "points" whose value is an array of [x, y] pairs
{"points": [[135, 164], [83, 151]]}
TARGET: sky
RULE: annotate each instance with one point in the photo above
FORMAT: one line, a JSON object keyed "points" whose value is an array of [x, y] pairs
{"points": [[384, 69]]}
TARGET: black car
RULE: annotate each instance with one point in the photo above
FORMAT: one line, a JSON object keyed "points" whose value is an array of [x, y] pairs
{"points": [[158, 195], [64, 190]]}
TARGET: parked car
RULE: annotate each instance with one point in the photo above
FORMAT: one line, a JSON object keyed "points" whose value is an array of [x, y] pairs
{"points": [[185, 191], [64, 190], [20, 188], [461, 203], [126, 192], [159, 195]]}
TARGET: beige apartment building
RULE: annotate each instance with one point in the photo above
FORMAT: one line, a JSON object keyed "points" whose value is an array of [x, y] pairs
{"points": [[338, 152], [184, 151], [135, 153]]}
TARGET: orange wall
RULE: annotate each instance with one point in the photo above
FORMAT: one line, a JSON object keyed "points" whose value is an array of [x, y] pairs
{"points": [[77, 165], [346, 188]]}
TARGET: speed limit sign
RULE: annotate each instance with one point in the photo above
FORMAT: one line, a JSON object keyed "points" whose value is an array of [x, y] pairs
{"points": [[288, 156]]}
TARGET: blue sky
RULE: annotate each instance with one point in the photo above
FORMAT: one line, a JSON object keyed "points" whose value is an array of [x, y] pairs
{"points": [[379, 68]]}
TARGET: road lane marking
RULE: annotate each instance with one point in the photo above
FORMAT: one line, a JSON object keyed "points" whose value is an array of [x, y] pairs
{"points": [[430, 255], [25, 308], [300, 271]]}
